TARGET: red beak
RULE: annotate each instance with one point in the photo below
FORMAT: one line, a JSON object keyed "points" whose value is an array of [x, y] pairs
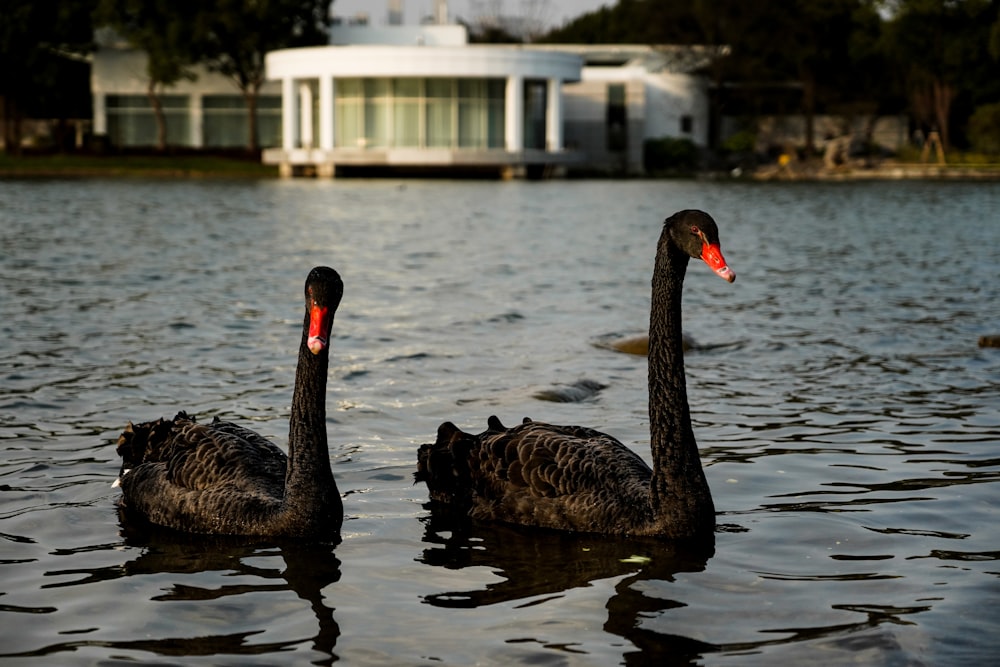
{"points": [[319, 329], [712, 254]]}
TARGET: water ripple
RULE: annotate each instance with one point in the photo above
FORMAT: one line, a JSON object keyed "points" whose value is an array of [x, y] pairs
{"points": [[846, 416]]}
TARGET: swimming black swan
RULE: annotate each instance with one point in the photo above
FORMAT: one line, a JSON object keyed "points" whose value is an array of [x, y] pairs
{"points": [[224, 479], [575, 478]]}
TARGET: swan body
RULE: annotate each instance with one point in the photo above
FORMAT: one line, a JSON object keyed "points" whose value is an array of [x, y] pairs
{"points": [[223, 479], [576, 478]]}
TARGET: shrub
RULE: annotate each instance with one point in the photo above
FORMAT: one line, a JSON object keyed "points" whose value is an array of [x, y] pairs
{"points": [[984, 129], [741, 142], [669, 155]]}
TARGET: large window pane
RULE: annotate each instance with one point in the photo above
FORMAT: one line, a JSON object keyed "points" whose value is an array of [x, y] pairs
{"points": [[378, 113], [406, 112], [440, 103], [534, 114], [495, 112], [348, 116], [224, 121], [131, 121], [269, 120], [472, 113]]}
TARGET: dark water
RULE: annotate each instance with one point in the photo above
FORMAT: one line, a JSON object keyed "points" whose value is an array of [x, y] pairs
{"points": [[849, 423]]}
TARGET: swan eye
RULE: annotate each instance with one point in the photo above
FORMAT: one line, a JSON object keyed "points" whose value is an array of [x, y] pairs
{"points": [[695, 230]]}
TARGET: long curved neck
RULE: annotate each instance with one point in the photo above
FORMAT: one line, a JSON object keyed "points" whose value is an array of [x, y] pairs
{"points": [[681, 500], [308, 454]]}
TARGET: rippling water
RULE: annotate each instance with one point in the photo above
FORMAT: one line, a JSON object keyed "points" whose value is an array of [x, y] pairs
{"points": [[847, 418]]}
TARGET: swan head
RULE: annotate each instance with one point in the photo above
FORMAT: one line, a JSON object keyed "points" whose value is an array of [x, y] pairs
{"points": [[696, 233], [324, 289]]}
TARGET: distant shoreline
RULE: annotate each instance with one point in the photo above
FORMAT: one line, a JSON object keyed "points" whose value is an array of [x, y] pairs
{"points": [[887, 170], [190, 165], [152, 166]]}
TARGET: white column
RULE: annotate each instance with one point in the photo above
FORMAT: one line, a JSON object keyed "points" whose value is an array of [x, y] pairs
{"points": [[514, 114], [289, 114], [326, 105], [196, 113], [100, 114], [306, 114], [553, 117]]}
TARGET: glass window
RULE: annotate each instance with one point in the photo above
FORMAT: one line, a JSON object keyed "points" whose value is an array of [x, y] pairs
{"points": [[472, 107], [420, 113], [496, 112], [269, 120], [534, 114], [224, 121], [348, 114], [378, 113], [440, 122], [406, 112], [132, 122]]}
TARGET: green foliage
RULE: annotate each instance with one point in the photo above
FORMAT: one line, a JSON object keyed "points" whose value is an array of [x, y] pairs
{"points": [[162, 29], [235, 35], [984, 129], [824, 56], [39, 40], [744, 141], [669, 155], [227, 36]]}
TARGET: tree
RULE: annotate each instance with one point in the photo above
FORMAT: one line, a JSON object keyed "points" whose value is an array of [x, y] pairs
{"points": [[36, 37], [492, 24], [939, 45], [768, 50], [234, 36], [162, 28]]}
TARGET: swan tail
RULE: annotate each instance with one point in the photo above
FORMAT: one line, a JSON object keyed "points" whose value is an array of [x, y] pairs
{"points": [[146, 441], [446, 465]]}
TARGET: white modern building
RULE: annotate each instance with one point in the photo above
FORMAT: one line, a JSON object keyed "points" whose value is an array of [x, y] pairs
{"points": [[421, 98]]}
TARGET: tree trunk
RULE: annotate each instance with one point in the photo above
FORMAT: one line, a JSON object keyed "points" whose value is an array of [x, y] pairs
{"points": [[944, 94], [161, 119], [809, 111]]}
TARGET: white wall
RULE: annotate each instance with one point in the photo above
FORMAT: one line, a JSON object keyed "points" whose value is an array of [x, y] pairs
{"points": [[669, 97], [123, 72]]}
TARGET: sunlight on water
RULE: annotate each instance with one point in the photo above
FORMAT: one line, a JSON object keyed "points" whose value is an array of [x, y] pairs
{"points": [[847, 418]]}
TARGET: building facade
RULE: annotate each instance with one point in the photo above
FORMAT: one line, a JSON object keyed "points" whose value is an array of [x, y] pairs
{"points": [[420, 98], [401, 97], [206, 112], [629, 94]]}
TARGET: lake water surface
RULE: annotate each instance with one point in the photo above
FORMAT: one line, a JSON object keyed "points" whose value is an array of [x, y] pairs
{"points": [[848, 421]]}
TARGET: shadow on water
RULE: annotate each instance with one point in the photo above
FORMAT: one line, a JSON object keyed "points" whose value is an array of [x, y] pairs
{"points": [[306, 571], [539, 565]]}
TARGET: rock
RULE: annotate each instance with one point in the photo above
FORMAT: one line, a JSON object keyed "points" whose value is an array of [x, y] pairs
{"points": [[989, 341]]}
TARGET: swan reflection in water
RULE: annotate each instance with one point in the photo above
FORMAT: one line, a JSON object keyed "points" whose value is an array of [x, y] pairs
{"points": [[541, 564], [537, 566], [305, 569]]}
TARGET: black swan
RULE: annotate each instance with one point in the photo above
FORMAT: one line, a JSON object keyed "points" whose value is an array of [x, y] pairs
{"points": [[223, 479], [578, 479]]}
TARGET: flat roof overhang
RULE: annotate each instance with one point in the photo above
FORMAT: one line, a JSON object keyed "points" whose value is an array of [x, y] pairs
{"points": [[422, 61]]}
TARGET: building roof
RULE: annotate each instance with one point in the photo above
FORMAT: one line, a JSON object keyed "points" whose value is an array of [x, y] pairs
{"points": [[681, 59]]}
